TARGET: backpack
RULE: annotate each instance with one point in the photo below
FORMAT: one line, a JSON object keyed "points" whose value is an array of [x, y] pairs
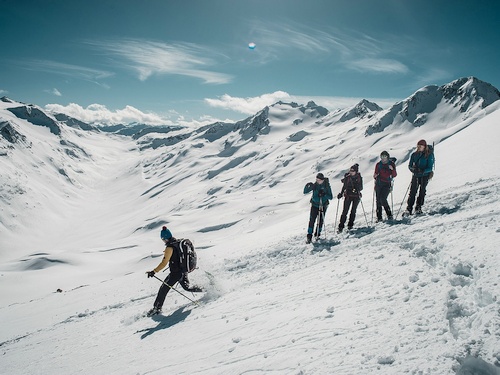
{"points": [[187, 255], [431, 149]]}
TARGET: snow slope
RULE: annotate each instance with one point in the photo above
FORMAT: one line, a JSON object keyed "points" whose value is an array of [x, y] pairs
{"points": [[417, 297]]}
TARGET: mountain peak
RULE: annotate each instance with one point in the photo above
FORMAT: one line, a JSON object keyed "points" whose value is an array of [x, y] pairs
{"points": [[6, 100], [469, 91], [360, 110], [467, 94], [311, 108], [36, 116]]}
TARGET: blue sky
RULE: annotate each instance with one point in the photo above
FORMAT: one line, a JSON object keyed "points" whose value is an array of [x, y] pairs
{"points": [[163, 61]]}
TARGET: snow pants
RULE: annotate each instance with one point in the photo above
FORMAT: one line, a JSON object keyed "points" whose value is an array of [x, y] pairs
{"points": [[416, 183], [315, 211], [349, 202], [381, 194], [170, 280]]}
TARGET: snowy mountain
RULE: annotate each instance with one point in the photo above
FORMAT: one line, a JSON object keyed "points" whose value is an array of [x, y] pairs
{"points": [[81, 207], [454, 102]]}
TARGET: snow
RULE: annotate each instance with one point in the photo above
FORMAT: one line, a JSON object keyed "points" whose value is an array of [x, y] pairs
{"points": [[81, 212]]}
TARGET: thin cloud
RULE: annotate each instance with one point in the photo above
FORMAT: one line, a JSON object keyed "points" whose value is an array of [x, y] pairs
{"points": [[432, 76], [63, 69], [378, 66], [349, 50], [3, 92], [98, 113], [54, 91], [148, 58]]}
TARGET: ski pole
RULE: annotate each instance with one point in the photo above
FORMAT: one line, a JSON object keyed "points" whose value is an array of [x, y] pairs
{"points": [[321, 218], [324, 222], [336, 214], [373, 202], [164, 283], [403, 200], [363, 207], [392, 200]]}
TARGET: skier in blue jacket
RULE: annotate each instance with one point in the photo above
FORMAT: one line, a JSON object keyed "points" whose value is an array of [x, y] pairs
{"points": [[321, 195], [421, 165]]}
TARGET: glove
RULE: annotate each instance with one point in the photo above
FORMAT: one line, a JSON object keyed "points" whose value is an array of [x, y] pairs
{"points": [[321, 193], [150, 273], [309, 185], [360, 195], [339, 196]]}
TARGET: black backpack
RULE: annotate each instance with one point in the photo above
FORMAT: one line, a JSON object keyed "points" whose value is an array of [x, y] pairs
{"points": [[187, 255]]}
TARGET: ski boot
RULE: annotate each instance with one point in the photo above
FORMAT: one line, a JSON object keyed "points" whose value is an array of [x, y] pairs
{"points": [[153, 311]]}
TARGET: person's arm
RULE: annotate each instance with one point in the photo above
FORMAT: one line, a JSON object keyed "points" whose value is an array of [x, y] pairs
{"points": [[375, 173], [166, 258], [393, 171], [308, 188]]}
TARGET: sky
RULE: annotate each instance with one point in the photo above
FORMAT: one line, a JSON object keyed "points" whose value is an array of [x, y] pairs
{"points": [[80, 218], [165, 61]]}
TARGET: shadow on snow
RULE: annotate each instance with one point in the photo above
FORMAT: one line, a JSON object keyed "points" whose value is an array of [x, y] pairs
{"points": [[165, 322]]}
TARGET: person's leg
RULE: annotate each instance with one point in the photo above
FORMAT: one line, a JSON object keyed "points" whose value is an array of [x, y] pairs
{"points": [[378, 198], [312, 218], [423, 191], [321, 221], [345, 210], [385, 193], [170, 280], [352, 216], [413, 192], [184, 282], [378, 203]]}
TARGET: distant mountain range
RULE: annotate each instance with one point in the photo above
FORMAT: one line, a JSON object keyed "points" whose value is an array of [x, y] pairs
{"points": [[462, 97], [281, 140]]}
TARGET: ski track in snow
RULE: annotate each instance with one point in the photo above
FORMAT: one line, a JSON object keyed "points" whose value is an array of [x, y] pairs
{"points": [[353, 276]]}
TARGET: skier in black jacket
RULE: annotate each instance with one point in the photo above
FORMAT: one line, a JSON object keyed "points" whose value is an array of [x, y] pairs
{"points": [[172, 258], [351, 191]]}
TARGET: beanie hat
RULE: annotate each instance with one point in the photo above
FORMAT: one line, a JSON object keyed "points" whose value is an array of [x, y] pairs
{"points": [[320, 176], [355, 167], [164, 228], [422, 142], [384, 153]]}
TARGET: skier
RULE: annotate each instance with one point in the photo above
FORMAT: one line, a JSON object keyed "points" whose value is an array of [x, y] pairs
{"points": [[351, 191], [421, 164], [385, 171], [172, 258], [322, 193]]}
